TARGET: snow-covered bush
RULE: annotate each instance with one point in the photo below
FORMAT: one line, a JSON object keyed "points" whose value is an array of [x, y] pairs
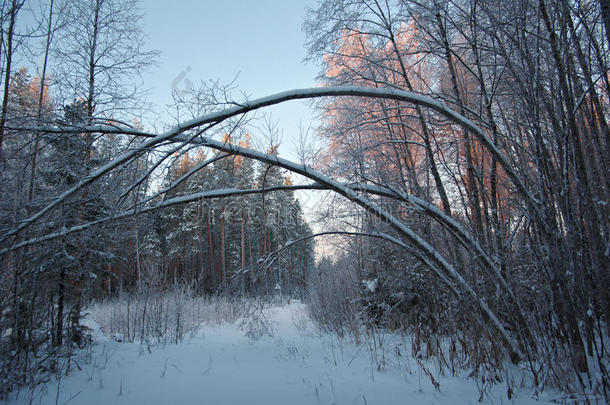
{"points": [[166, 316], [332, 298]]}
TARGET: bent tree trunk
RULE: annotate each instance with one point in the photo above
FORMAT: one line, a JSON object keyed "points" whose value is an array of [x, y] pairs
{"points": [[421, 249]]}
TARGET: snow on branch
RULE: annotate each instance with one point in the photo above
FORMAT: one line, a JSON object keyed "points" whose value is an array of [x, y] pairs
{"points": [[212, 119], [209, 194], [427, 253], [266, 262]]}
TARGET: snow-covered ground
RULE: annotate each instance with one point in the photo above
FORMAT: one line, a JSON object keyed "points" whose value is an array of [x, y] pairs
{"points": [[297, 365]]}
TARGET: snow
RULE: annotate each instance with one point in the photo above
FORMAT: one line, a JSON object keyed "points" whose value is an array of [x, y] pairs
{"points": [[370, 285], [7, 333], [177, 134], [219, 364]]}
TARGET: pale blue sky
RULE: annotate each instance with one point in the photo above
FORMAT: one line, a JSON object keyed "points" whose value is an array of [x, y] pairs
{"points": [[261, 41]]}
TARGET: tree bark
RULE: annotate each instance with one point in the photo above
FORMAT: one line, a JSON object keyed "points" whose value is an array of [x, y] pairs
{"points": [[40, 103], [7, 75]]}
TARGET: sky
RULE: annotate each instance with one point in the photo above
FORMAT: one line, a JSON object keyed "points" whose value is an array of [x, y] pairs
{"points": [[259, 42], [257, 45]]}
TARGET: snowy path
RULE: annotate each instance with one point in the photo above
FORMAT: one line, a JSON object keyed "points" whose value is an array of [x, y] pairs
{"points": [[222, 366]]}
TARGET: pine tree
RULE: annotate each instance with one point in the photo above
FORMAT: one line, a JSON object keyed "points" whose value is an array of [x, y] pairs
{"points": [[78, 257]]}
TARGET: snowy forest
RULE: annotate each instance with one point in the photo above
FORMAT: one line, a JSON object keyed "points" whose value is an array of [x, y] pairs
{"points": [[460, 174]]}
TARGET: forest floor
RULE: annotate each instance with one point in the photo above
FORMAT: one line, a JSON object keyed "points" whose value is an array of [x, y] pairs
{"points": [[297, 364]]}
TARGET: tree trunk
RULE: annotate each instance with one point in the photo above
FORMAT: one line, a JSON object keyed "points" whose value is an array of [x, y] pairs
{"points": [[605, 7], [40, 103], [59, 325], [223, 254], [473, 189], [7, 75]]}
